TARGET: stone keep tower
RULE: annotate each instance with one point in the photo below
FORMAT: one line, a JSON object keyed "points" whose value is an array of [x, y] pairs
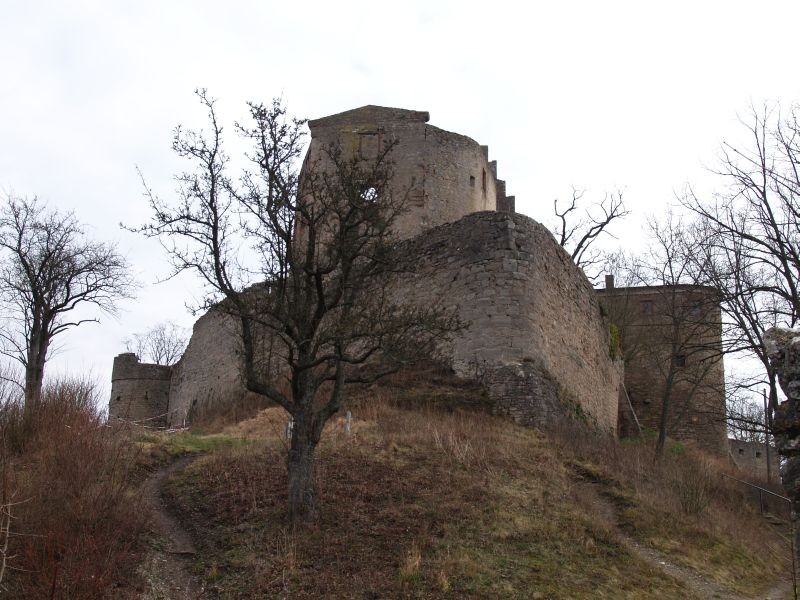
{"points": [[447, 175]]}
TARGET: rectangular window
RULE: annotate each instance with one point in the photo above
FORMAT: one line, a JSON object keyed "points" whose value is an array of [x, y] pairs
{"points": [[679, 360], [483, 182], [647, 307], [472, 181]]}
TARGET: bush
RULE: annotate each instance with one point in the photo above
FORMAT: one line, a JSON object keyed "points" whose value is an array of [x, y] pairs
{"points": [[76, 523], [693, 481]]}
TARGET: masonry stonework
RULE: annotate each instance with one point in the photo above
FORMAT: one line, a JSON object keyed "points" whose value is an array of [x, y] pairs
{"points": [[671, 338], [535, 333], [446, 175], [139, 392], [751, 457], [210, 370]]}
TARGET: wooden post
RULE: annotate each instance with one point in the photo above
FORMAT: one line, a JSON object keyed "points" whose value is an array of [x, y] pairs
{"points": [[766, 436]]}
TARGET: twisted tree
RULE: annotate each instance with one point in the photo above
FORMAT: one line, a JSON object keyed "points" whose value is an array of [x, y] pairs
{"points": [[303, 258], [578, 227]]}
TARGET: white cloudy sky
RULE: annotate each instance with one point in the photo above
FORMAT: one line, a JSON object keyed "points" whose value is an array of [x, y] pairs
{"points": [[601, 95]]}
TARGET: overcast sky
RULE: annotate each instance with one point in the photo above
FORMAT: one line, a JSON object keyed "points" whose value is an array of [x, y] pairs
{"points": [[600, 95]]}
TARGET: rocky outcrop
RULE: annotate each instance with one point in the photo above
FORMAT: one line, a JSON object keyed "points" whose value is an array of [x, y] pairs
{"points": [[783, 348]]}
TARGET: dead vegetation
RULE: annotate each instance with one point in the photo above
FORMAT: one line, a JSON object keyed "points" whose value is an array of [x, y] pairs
{"points": [[685, 507], [72, 524], [446, 502]]}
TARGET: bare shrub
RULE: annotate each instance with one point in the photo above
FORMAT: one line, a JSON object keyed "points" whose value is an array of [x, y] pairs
{"points": [[692, 483], [77, 523]]}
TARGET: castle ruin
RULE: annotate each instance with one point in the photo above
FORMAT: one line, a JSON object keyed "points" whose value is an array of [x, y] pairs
{"points": [[536, 331]]}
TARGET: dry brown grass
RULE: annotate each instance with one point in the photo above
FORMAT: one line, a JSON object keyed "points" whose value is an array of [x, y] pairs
{"points": [[684, 506], [77, 524], [441, 500], [415, 503]]}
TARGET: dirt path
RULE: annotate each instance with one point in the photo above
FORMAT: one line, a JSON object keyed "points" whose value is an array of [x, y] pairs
{"points": [[701, 586], [167, 570]]}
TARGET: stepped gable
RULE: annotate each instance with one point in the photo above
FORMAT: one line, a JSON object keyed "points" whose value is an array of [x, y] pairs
{"points": [[446, 175]]}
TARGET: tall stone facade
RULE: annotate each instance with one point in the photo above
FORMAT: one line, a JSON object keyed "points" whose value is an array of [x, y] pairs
{"points": [[446, 175], [534, 331], [536, 335], [671, 341]]}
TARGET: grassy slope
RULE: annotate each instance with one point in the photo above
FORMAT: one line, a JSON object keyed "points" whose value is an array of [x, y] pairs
{"points": [[438, 503]]}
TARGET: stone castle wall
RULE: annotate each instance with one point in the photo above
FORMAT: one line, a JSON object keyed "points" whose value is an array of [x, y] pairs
{"points": [[139, 392], [446, 175], [751, 457], [536, 335], [210, 370]]}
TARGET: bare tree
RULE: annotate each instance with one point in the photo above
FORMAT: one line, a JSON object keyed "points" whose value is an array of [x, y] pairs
{"points": [[162, 344], [578, 227], [302, 256], [746, 419], [49, 270], [748, 311], [758, 210], [670, 327], [752, 232]]}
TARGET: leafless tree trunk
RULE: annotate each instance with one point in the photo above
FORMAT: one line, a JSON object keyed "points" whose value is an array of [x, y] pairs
{"points": [[317, 274]]}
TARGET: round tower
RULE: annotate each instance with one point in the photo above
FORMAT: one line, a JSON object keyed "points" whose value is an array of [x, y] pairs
{"points": [[139, 392]]}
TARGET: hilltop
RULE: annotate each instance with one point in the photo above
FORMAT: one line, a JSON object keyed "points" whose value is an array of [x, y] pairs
{"points": [[430, 496]]}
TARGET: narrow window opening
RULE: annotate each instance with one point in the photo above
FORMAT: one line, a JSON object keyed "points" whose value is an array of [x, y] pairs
{"points": [[647, 307], [472, 181], [741, 450], [758, 454], [483, 182]]}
